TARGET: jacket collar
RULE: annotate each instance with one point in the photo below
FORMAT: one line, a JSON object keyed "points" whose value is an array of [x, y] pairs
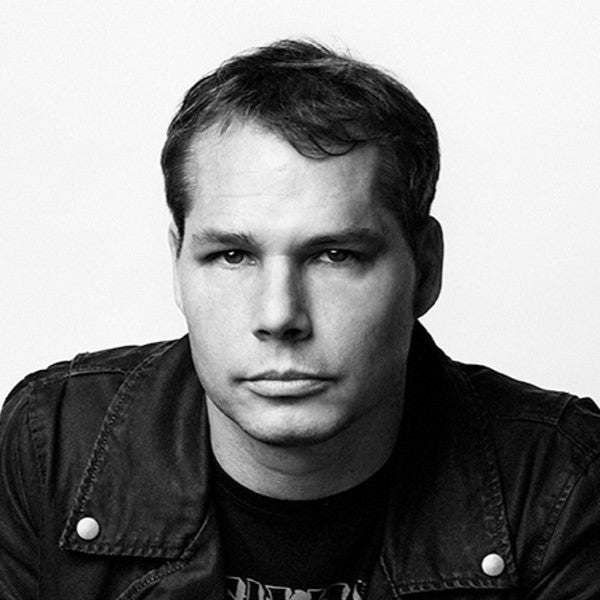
{"points": [[146, 480], [446, 507]]}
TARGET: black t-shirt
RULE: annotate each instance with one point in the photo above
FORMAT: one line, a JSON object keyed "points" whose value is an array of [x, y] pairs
{"points": [[299, 550]]}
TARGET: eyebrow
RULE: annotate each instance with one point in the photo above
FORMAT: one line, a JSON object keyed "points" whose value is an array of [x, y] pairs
{"points": [[224, 238], [349, 236]]}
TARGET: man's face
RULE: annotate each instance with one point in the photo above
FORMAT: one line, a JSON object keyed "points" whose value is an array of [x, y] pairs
{"points": [[297, 285]]}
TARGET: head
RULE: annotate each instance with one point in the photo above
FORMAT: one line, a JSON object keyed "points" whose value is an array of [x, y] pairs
{"points": [[323, 104], [300, 183]]}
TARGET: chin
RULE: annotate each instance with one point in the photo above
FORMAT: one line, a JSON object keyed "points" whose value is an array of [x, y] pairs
{"points": [[293, 437]]}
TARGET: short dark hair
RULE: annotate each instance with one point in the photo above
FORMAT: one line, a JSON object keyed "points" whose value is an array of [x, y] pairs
{"points": [[323, 103]]}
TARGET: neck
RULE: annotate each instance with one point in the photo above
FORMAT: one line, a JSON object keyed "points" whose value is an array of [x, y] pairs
{"points": [[306, 472]]}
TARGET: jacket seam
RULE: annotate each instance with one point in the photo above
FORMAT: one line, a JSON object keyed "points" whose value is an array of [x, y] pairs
{"points": [[537, 418], [115, 548], [94, 370], [589, 451], [37, 381], [157, 574], [35, 516], [593, 452], [5, 595], [150, 578], [555, 424], [19, 461], [559, 508], [34, 430], [39, 483], [531, 419], [79, 366], [386, 572]]}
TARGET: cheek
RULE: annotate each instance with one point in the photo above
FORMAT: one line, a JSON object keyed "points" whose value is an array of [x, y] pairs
{"points": [[213, 317], [212, 300], [376, 307], [373, 326]]}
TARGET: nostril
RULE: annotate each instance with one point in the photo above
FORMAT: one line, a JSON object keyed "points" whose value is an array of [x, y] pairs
{"points": [[289, 334], [293, 334], [261, 334]]}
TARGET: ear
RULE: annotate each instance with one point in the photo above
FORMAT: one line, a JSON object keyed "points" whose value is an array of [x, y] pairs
{"points": [[429, 256], [175, 246]]}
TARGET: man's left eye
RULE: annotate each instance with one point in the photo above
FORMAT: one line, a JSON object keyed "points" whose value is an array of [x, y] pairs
{"points": [[336, 256], [233, 257]]}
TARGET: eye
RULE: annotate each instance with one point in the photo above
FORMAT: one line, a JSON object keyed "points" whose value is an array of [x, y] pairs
{"points": [[233, 257], [336, 255]]}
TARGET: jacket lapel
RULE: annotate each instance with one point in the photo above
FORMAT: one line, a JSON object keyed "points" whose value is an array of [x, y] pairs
{"points": [[446, 510], [146, 479]]}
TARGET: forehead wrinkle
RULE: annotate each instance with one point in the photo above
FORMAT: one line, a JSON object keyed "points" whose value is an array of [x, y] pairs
{"points": [[218, 183], [213, 142], [355, 171]]}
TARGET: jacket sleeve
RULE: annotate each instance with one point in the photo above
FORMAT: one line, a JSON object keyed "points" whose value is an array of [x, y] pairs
{"points": [[19, 493], [570, 562]]}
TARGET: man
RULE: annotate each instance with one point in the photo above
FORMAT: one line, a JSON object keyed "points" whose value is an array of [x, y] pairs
{"points": [[307, 440]]}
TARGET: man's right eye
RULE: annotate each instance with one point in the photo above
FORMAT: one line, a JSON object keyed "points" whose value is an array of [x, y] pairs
{"points": [[231, 257]]}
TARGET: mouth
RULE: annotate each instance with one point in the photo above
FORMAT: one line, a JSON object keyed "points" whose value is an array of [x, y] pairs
{"points": [[287, 384]]}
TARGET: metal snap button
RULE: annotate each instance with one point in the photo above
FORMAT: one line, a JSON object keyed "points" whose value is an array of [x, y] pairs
{"points": [[492, 564], [88, 528]]}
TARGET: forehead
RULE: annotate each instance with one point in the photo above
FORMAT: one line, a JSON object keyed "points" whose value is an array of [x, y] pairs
{"points": [[249, 175]]}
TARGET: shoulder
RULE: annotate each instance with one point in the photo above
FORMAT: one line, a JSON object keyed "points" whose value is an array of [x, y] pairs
{"points": [[547, 448], [120, 360], [69, 399], [87, 366], [510, 403]]}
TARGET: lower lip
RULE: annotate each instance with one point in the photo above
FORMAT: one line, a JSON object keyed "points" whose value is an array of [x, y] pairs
{"points": [[290, 388]]}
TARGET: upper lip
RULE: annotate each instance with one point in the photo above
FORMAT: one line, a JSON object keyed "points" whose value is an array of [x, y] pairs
{"points": [[287, 375]]}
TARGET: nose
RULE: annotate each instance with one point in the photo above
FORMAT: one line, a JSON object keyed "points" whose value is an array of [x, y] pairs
{"points": [[281, 312]]}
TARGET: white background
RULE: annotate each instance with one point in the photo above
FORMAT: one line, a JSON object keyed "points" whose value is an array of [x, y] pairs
{"points": [[88, 89]]}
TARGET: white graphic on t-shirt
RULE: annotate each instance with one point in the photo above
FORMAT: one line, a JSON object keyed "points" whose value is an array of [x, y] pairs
{"points": [[248, 589]]}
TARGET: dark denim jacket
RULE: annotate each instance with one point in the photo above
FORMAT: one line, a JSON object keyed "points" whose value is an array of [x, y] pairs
{"points": [[486, 465]]}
